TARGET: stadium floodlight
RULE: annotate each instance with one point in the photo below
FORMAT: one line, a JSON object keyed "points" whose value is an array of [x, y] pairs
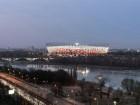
{"points": [[77, 44]]}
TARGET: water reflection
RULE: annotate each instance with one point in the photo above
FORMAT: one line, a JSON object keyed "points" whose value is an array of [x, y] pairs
{"points": [[89, 73]]}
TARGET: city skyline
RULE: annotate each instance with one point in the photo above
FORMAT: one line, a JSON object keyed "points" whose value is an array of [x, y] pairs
{"points": [[26, 23]]}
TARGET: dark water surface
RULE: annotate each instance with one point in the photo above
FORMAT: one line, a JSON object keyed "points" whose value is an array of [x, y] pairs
{"points": [[113, 76]]}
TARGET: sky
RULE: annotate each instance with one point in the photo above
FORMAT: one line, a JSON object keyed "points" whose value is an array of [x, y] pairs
{"points": [[25, 23]]}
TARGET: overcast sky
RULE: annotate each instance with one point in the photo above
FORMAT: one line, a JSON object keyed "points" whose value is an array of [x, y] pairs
{"points": [[25, 23]]}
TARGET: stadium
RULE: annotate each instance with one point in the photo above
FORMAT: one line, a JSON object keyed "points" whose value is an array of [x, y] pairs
{"points": [[76, 50]]}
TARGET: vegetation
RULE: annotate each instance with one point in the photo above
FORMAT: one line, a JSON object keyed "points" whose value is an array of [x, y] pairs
{"points": [[40, 76], [112, 60], [21, 54], [130, 95], [92, 94]]}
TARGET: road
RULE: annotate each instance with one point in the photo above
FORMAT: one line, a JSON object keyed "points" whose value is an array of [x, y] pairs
{"points": [[37, 91]]}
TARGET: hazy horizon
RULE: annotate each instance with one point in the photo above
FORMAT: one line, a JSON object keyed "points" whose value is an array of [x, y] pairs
{"points": [[25, 23]]}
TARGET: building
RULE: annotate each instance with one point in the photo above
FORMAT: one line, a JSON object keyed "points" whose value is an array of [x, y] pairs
{"points": [[76, 50]]}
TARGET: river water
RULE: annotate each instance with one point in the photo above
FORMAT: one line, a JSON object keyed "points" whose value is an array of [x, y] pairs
{"points": [[113, 77]]}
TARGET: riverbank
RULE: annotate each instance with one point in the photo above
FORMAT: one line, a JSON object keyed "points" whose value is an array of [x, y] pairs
{"points": [[108, 67], [105, 67], [113, 61]]}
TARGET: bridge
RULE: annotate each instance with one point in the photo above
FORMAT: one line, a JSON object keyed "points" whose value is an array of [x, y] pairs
{"points": [[33, 93]]}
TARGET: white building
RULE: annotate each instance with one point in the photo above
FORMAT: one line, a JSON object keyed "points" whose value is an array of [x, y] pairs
{"points": [[76, 49]]}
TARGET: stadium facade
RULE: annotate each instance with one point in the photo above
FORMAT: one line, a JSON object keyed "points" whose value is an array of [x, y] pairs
{"points": [[77, 50]]}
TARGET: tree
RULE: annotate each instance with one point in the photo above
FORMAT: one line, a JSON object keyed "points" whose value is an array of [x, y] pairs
{"points": [[102, 82], [128, 85], [137, 92]]}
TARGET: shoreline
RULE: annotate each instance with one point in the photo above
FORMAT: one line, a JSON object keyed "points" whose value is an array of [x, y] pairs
{"points": [[85, 65]]}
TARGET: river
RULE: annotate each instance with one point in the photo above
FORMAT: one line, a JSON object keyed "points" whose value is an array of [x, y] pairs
{"points": [[113, 77]]}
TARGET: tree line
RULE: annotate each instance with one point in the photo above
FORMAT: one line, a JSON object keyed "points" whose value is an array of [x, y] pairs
{"points": [[40, 76]]}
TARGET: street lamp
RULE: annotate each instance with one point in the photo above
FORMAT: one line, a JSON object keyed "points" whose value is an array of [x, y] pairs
{"points": [[68, 95], [96, 100], [56, 89], [19, 73], [115, 102], [72, 91], [27, 77], [9, 70], [13, 72], [22, 76], [34, 80]]}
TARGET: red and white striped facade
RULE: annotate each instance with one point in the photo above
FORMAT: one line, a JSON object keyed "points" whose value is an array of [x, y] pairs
{"points": [[81, 50]]}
